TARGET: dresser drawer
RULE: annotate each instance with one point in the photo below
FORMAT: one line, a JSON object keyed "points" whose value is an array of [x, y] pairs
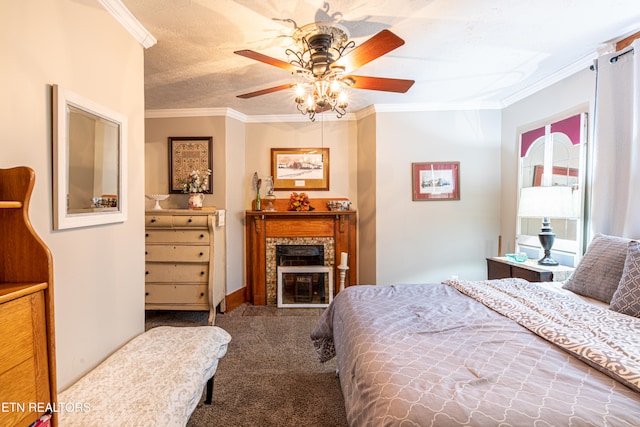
{"points": [[177, 253], [176, 294], [16, 333], [23, 360], [157, 220], [170, 273], [190, 221], [177, 236]]}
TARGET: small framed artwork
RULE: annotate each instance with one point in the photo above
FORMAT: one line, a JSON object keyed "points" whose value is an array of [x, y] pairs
{"points": [[300, 168], [186, 154], [436, 181], [567, 177]]}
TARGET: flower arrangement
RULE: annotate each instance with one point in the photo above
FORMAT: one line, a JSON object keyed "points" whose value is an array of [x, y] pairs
{"points": [[196, 182], [299, 202]]}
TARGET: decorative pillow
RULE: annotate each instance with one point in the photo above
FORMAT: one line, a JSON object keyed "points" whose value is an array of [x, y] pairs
{"points": [[626, 299], [598, 273]]}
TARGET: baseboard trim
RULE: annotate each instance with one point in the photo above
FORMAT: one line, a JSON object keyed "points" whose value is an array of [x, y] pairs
{"points": [[235, 299]]}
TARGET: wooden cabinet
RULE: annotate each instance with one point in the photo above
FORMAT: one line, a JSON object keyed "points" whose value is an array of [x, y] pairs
{"points": [[502, 267], [341, 226], [179, 259], [27, 347]]}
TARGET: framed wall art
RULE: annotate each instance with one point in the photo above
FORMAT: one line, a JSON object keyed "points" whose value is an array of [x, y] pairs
{"points": [[436, 181], [300, 168], [186, 154]]}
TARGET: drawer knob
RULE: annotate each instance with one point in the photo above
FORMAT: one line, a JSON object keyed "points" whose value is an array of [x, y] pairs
{"points": [[201, 253], [202, 236], [146, 252], [201, 294], [153, 220], [189, 220], [146, 272], [202, 273], [146, 235], [146, 294]]}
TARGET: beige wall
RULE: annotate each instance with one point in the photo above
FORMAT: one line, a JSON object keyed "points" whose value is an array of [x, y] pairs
{"points": [[235, 204], [366, 174], [337, 135], [98, 271], [430, 241]]}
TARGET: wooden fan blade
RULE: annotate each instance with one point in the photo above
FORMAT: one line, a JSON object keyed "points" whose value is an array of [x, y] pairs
{"points": [[268, 60], [381, 83], [266, 91], [383, 42]]}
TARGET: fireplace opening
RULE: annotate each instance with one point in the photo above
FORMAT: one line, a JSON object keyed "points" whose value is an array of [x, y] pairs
{"points": [[303, 280], [290, 255]]}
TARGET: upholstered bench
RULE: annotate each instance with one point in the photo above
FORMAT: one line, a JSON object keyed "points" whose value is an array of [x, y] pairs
{"points": [[156, 379]]}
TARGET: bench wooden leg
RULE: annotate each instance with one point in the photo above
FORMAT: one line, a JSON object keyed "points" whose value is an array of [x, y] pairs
{"points": [[209, 397]]}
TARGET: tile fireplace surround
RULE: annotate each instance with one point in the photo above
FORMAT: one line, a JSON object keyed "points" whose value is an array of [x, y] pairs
{"points": [[335, 230]]}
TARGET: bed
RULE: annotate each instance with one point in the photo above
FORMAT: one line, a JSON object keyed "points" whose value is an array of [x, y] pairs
{"points": [[495, 352]]}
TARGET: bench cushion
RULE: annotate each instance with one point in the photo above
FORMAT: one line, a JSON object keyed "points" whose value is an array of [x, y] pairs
{"points": [[155, 379]]}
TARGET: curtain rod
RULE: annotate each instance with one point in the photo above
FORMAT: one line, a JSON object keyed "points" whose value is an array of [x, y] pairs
{"points": [[614, 59]]}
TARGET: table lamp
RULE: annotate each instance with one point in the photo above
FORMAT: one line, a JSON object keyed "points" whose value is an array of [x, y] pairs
{"points": [[546, 203]]}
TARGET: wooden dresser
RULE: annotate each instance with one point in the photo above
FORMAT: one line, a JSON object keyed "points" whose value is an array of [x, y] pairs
{"points": [[27, 347], [179, 261]]}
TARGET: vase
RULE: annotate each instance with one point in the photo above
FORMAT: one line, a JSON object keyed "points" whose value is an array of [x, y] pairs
{"points": [[269, 199], [195, 200]]}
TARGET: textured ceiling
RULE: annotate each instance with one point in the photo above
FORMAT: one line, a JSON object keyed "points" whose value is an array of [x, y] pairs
{"points": [[459, 52]]}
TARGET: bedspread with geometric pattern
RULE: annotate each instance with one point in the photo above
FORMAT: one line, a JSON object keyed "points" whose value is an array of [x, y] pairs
{"points": [[428, 355], [607, 340]]}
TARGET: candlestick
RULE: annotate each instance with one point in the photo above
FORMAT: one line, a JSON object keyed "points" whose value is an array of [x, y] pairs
{"points": [[344, 258], [343, 274]]}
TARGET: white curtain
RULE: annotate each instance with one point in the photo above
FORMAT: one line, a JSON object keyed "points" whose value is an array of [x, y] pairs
{"points": [[615, 196]]}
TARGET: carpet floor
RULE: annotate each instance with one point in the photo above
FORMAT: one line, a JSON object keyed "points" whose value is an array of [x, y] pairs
{"points": [[270, 375]]}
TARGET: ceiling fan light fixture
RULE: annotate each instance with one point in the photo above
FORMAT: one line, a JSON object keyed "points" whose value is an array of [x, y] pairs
{"points": [[342, 100], [319, 61], [300, 92], [335, 89]]}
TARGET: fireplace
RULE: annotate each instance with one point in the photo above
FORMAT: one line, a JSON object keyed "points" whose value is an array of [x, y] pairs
{"points": [[305, 286], [336, 231], [290, 255], [302, 278]]}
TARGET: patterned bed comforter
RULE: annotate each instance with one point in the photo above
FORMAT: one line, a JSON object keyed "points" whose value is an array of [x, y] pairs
{"points": [[463, 353]]}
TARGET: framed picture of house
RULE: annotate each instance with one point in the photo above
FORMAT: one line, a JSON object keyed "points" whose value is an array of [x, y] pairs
{"points": [[567, 177], [187, 154], [300, 168], [436, 181]]}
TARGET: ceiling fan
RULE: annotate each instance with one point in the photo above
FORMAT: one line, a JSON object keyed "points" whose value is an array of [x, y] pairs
{"points": [[322, 66]]}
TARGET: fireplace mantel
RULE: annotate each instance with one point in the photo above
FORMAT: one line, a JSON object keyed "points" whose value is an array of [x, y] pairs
{"points": [[341, 226]]}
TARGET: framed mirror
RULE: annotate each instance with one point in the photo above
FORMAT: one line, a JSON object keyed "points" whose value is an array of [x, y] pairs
{"points": [[89, 162]]}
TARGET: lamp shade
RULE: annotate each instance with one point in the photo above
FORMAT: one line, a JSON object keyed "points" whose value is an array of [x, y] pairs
{"points": [[547, 202]]}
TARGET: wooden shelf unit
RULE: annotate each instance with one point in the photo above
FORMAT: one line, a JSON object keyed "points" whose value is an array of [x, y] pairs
{"points": [[27, 343]]}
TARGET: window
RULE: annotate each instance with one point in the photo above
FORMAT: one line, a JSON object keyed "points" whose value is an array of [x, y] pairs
{"points": [[554, 155]]}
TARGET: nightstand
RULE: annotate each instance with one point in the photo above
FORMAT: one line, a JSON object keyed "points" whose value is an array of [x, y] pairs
{"points": [[502, 267]]}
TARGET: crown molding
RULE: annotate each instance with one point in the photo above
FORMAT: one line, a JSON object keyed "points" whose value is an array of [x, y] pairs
{"points": [[580, 65], [120, 12], [193, 112]]}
